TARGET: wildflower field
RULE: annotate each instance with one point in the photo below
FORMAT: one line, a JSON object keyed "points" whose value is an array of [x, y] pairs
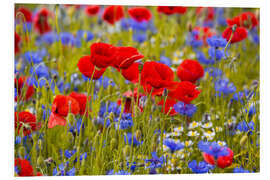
{"points": [[125, 90]]}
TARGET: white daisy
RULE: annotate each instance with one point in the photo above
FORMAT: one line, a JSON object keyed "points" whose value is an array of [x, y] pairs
{"points": [[193, 125], [207, 125], [193, 133]]}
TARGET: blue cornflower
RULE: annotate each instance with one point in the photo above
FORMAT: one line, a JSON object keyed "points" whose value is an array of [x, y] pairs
{"points": [[114, 108], [240, 170], [71, 172], [173, 145], [62, 170], [138, 26], [139, 36], [203, 60], [193, 40], [216, 54], [201, 167], [105, 82], [131, 166], [216, 42], [213, 148], [68, 153], [27, 27], [155, 162], [214, 72], [125, 25], [244, 127], [50, 37], [85, 35], [185, 109], [221, 19], [101, 120], [45, 112], [165, 60], [40, 71], [66, 38], [125, 121], [224, 86], [128, 140], [251, 110], [34, 57], [121, 172], [18, 140]]}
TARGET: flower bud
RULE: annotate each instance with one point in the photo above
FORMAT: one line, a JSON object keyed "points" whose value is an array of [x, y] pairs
{"points": [[40, 161], [126, 150], [140, 67], [138, 134], [113, 143], [234, 27], [243, 140], [71, 119], [21, 152], [40, 144]]}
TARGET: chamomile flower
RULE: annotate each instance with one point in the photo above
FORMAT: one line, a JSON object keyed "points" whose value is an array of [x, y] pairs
{"points": [[193, 125], [193, 133], [207, 125], [218, 129], [188, 143], [179, 129], [222, 143], [209, 134]]}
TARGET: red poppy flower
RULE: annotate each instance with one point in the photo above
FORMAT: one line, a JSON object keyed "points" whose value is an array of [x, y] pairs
{"points": [[203, 33], [239, 34], [92, 10], [210, 12], [140, 14], [222, 161], [169, 10], [131, 73], [27, 120], [55, 120], [129, 95], [102, 54], [168, 106], [157, 76], [25, 91], [72, 5], [26, 13], [190, 70], [246, 19], [125, 57], [113, 14], [185, 92], [60, 108], [87, 68], [17, 42], [62, 104], [81, 99], [41, 21], [24, 166]]}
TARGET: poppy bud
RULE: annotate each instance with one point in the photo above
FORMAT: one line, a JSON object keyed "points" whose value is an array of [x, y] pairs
{"points": [[40, 144], [40, 161], [111, 116], [138, 134], [234, 27], [21, 152], [140, 67], [126, 151], [113, 143], [165, 92], [71, 119], [35, 137], [70, 137], [243, 140]]}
